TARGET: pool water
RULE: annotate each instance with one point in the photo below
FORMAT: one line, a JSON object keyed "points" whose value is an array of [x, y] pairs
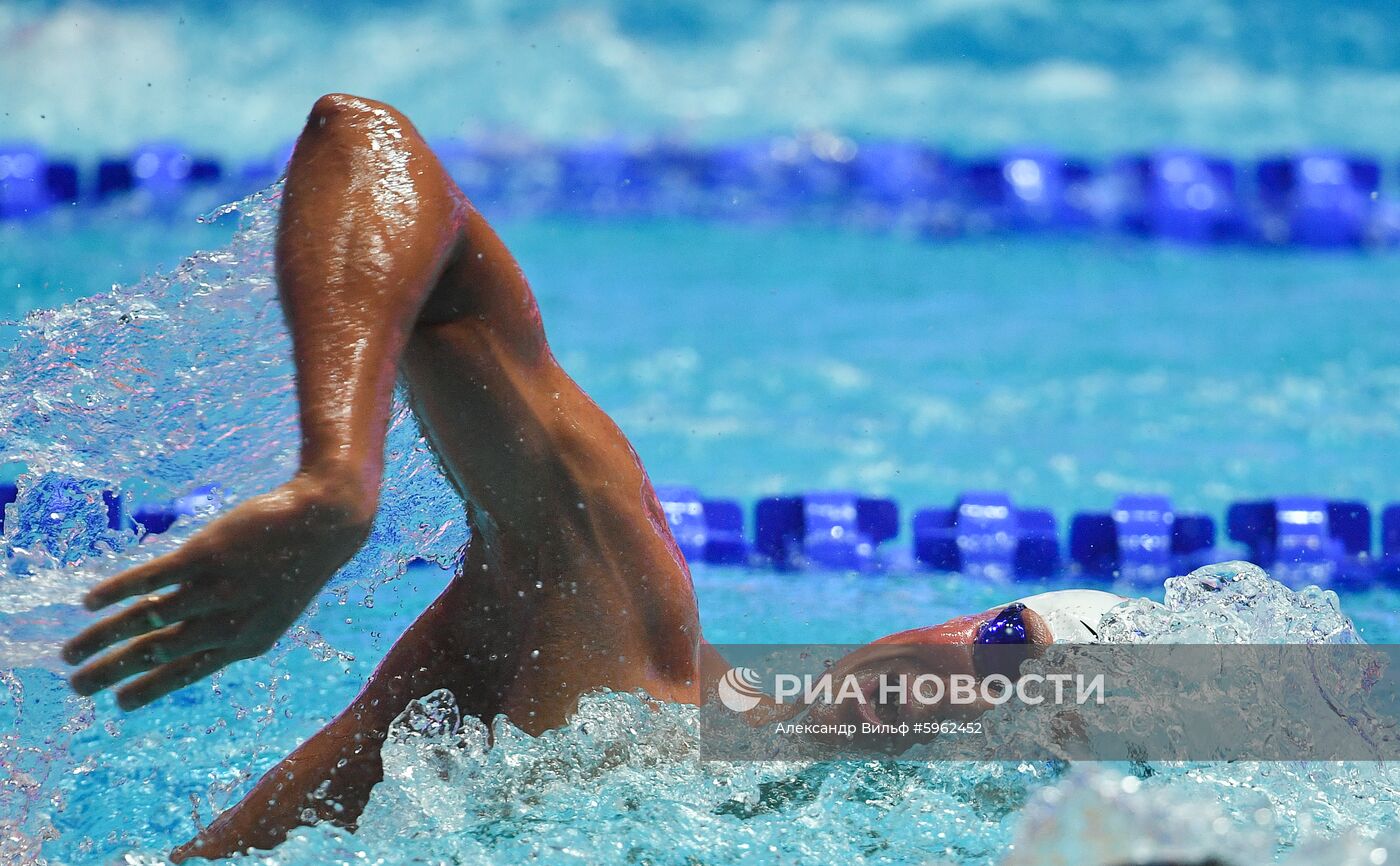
{"points": [[745, 360], [1092, 76], [750, 360]]}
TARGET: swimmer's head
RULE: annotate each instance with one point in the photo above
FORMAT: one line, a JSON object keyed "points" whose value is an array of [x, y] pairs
{"points": [[996, 641]]}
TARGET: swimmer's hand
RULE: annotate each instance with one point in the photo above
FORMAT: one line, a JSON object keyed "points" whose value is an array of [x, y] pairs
{"points": [[235, 587]]}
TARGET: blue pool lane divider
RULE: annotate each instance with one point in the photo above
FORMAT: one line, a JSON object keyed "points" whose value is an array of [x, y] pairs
{"points": [[1031, 190], [8, 493], [157, 517], [835, 530], [984, 534], [56, 499], [164, 172], [30, 183], [1142, 540], [1306, 534], [1317, 198], [706, 530], [1312, 198], [1388, 570], [1179, 195], [1139, 542]]}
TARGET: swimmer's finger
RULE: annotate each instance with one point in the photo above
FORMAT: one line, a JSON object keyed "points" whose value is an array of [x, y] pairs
{"points": [[143, 654], [147, 615], [171, 677], [175, 567]]}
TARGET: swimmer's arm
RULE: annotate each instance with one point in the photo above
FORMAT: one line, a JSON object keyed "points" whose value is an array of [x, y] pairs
{"points": [[368, 221], [713, 667]]}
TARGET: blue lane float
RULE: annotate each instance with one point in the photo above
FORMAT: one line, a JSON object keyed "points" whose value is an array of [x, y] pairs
{"points": [[8, 494], [765, 178], [1031, 190], [984, 534], [1142, 540], [114, 179], [158, 517], [164, 172], [894, 173], [838, 530], [1317, 198], [602, 179], [1388, 570], [23, 183], [1180, 195], [706, 530], [1313, 198], [61, 179], [52, 504], [1306, 539]]}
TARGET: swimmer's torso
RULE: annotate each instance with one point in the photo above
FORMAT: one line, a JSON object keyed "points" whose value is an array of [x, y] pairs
{"points": [[570, 556]]}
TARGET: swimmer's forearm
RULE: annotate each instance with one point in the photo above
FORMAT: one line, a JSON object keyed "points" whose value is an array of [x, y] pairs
{"points": [[368, 221], [366, 226]]}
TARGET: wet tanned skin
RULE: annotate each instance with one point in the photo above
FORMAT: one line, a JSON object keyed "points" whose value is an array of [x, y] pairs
{"points": [[945, 649], [385, 269], [572, 582]]}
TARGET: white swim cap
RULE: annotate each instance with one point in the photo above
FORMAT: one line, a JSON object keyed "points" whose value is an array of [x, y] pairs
{"points": [[1073, 614]]}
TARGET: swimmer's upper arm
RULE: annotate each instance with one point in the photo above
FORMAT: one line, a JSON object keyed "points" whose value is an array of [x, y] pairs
{"points": [[368, 223], [482, 285], [402, 226]]}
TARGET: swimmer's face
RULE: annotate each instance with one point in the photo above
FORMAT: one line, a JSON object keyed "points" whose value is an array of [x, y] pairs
{"points": [[980, 645]]}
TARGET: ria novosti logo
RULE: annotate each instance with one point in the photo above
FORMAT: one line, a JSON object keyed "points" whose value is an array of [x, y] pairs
{"points": [[739, 689]]}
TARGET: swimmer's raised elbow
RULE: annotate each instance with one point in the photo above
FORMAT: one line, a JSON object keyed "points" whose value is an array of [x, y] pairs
{"points": [[376, 133], [333, 108]]}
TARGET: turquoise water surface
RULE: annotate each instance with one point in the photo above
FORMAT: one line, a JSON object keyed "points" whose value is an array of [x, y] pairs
{"points": [[744, 358], [754, 360]]}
